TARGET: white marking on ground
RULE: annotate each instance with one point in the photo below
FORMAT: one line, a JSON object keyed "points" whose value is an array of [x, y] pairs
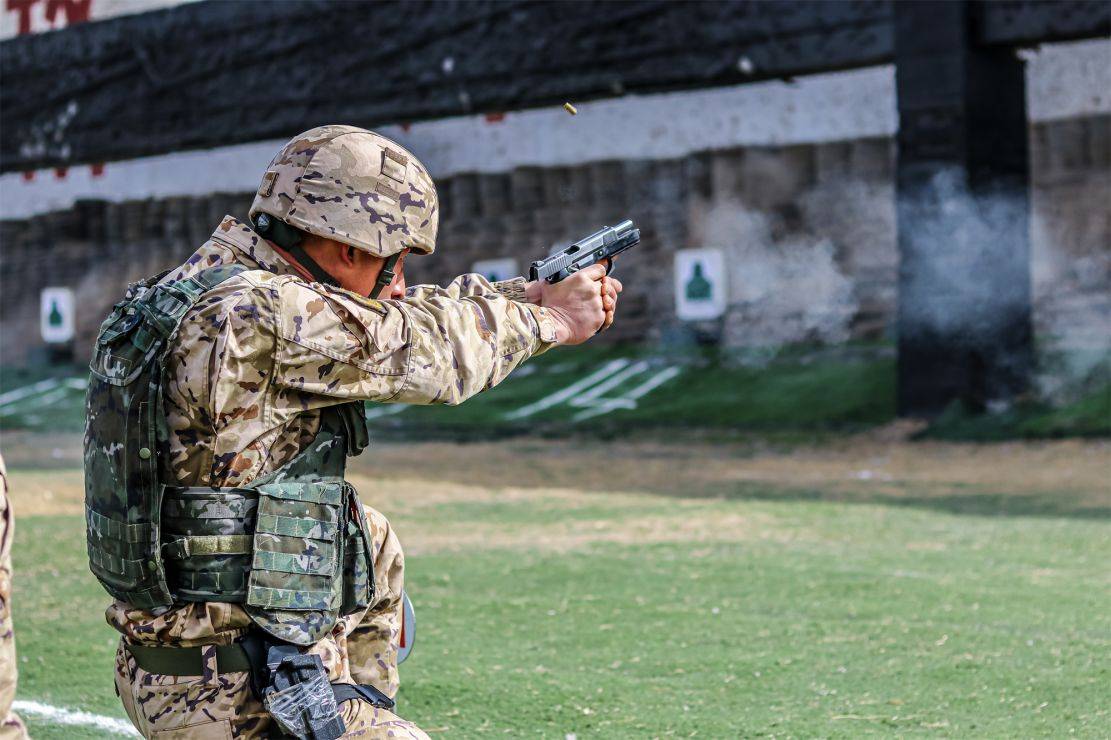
{"points": [[43, 393], [652, 383], [72, 717], [587, 399], [53, 397], [13, 396], [570, 391], [629, 400]]}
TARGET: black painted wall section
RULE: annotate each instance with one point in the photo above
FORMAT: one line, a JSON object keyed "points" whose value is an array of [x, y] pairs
{"points": [[964, 309], [216, 73], [1022, 23], [228, 71]]}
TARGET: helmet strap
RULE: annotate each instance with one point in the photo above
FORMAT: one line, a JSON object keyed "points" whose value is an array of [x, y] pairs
{"points": [[289, 239], [319, 273], [386, 276]]}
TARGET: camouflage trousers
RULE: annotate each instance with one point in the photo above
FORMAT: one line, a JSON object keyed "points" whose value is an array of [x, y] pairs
{"points": [[223, 705], [10, 724]]}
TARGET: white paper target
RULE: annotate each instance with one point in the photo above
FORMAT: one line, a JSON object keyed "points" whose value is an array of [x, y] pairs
{"points": [[56, 309], [700, 284]]}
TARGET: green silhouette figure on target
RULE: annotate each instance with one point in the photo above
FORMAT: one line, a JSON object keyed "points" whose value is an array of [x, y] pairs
{"points": [[55, 317], [698, 288]]}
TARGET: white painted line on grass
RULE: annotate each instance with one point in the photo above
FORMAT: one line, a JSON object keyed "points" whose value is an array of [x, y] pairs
{"points": [[586, 400], [570, 391], [6, 399], [653, 383], [60, 716], [51, 398], [629, 400]]}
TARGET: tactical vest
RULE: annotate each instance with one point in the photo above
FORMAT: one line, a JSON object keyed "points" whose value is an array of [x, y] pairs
{"points": [[291, 546]]}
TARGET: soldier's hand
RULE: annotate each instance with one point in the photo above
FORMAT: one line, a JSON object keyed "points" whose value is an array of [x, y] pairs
{"points": [[578, 305], [611, 286]]}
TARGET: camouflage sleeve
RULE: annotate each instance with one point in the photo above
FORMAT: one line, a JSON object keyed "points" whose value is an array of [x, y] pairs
{"points": [[471, 284], [417, 350]]}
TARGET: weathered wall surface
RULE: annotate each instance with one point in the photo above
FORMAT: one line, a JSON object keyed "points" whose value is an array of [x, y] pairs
{"points": [[809, 231]]}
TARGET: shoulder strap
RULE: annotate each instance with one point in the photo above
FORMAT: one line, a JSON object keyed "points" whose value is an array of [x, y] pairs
{"points": [[167, 303]]}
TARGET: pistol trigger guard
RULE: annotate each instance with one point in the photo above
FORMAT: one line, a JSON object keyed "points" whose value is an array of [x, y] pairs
{"points": [[609, 265]]}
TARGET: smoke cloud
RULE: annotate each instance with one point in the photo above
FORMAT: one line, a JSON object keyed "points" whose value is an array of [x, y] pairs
{"points": [[781, 291], [820, 270]]}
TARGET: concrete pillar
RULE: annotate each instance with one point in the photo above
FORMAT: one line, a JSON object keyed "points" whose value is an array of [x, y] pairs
{"points": [[964, 315]]}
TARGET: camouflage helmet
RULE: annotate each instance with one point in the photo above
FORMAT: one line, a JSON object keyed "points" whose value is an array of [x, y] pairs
{"points": [[354, 186]]}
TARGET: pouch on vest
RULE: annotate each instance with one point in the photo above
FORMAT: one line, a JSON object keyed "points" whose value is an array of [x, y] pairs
{"points": [[125, 435], [311, 561], [311, 558], [358, 575]]}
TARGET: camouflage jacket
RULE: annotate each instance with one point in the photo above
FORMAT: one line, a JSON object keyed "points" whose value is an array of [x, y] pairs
{"points": [[259, 357]]}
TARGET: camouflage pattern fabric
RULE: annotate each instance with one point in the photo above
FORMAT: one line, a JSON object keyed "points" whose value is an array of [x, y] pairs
{"points": [[10, 724], [222, 704], [263, 353], [372, 644], [252, 368], [125, 435], [354, 186]]}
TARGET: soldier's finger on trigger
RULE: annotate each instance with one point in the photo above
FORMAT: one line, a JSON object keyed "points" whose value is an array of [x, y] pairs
{"points": [[595, 272]]}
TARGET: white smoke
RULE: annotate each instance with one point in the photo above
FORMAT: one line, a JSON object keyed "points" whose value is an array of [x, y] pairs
{"points": [[811, 275], [784, 291], [1072, 297]]}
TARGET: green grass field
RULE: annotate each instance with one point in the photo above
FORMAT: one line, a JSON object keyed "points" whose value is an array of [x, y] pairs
{"points": [[798, 394], [710, 591]]}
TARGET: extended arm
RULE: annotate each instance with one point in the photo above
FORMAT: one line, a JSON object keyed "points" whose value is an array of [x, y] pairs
{"points": [[419, 350], [470, 284]]}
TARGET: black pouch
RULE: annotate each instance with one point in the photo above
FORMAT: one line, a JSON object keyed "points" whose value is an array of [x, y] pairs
{"points": [[294, 688]]}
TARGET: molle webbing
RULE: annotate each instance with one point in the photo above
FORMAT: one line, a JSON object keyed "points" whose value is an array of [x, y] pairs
{"points": [[294, 552], [125, 434], [208, 538]]}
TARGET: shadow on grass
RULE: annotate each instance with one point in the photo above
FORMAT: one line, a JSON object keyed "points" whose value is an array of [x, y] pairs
{"points": [[973, 503]]}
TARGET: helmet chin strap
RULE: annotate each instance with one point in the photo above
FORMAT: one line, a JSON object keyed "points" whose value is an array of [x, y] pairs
{"points": [[289, 239], [386, 276], [318, 272]]}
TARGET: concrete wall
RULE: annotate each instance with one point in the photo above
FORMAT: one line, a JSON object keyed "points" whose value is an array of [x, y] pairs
{"points": [[808, 229]]}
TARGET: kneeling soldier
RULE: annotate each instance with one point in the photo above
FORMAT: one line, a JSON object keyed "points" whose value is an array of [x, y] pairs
{"points": [[256, 595]]}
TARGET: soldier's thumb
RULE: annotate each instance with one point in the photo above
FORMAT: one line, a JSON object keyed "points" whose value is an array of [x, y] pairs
{"points": [[594, 272]]}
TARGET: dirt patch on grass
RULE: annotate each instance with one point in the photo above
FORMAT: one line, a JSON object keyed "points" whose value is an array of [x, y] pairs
{"points": [[1075, 466], [46, 493], [558, 519], [414, 481]]}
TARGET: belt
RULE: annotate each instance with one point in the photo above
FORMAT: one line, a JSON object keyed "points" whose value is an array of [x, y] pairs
{"points": [[173, 661], [169, 661]]}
